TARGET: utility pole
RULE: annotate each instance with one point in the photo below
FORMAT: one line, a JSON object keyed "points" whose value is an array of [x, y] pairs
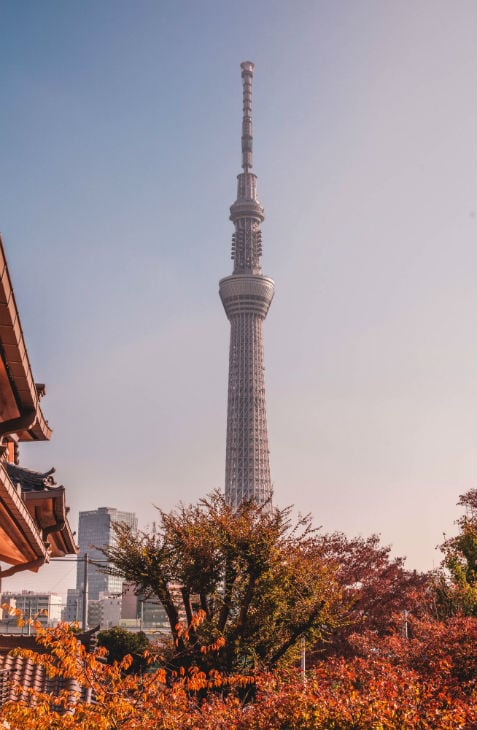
{"points": [[84, 622], [303, 659]]}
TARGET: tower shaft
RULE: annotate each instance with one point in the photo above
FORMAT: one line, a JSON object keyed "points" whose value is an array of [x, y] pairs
{"points": [[246, 296]]}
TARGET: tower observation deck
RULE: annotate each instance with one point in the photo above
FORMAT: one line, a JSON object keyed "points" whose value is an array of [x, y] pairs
{"points": [[246, 296]]}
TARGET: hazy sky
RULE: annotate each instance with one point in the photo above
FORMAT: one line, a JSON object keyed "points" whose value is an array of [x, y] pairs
{"points": [[119, 147]]}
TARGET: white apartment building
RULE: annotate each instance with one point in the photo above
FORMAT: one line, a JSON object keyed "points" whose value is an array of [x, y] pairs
{"points": [[42, 607]]}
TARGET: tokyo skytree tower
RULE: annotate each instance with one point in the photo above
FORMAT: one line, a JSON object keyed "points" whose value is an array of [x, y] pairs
{"points": [[246, 296]]}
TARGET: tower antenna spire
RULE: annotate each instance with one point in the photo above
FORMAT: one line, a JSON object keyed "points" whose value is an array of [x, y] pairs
{"points": [[247, 137]]}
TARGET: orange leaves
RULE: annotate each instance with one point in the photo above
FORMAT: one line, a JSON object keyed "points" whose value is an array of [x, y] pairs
{"points": [[126, 662], [184, 631], [215, 646], [361, 694], [355, 694], [30, 621]]}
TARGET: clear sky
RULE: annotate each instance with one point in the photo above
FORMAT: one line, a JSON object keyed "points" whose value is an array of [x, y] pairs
{"points": [[119, 147]]}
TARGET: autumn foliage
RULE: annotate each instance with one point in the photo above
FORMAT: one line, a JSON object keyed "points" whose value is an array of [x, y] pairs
{"points": [[391, 657], [399, 685], [253, 572]]}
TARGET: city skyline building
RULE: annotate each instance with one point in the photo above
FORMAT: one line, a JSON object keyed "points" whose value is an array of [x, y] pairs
{"points": [[246, 296], [95, 530]]}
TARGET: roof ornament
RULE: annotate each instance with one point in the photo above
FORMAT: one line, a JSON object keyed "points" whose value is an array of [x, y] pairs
{"points": [[29, 480]]}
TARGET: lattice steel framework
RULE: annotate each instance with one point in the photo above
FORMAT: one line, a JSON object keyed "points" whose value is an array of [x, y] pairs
{"points": [[246, 296]]}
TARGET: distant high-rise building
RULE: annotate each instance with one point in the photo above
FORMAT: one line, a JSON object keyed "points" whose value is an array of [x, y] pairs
{"points": [[73, 609], [105, 612], [148, 613], [95, 531], [246, 296]]}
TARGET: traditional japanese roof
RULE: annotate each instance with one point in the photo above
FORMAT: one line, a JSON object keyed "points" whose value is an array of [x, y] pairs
{"points": [[20, 676], [45, 501], [21, 542], [33, 514], [19, 395], [21, 679], [9, 642]]}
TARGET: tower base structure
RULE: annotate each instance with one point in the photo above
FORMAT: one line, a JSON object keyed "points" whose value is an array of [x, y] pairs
{"points": [[246, 300]]}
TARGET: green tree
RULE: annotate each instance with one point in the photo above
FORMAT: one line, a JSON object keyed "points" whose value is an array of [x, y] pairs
{"points": [[251, 573], [119, 642], [456, 581]]}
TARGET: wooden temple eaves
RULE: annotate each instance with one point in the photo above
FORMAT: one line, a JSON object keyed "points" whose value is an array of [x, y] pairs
{"points": [[19, 395], [33, 519]]}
